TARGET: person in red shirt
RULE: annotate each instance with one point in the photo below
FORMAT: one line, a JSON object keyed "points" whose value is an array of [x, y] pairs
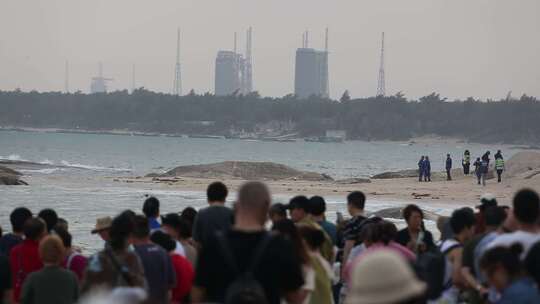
{"points": [[182, 267], [24, 258]]}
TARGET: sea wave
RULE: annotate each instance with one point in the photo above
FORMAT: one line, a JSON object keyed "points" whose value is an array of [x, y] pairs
{"points": [[40, 171], [13, 157], [91, 167]]}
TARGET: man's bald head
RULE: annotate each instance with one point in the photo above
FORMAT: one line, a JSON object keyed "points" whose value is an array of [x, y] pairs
{"points": [[254, 198]]}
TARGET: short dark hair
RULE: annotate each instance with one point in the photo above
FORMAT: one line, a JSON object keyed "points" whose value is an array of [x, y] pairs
{"points": [[64, 235], [17, 218], [357, 199], [494, 216], [50, 217], [121, 228], [526, 206], [164, 240], [314, 237], [317, 205], [217, 192], [151, 207], [189, 214], [507, 257], [299, 202], [34, 228], [461, 219], [141, 229], [184, 229], [409, 209], [278, 209]]}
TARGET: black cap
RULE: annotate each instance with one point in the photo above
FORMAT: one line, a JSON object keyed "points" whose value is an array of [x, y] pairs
{"points": [[486, 201], [299, 202], [172, 219]]}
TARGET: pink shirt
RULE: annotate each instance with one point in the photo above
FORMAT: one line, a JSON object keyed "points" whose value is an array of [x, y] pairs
{"points": [[77, 264]]}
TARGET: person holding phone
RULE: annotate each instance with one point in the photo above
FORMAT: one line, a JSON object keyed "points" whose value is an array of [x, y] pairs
{"points": [[415, 236]]}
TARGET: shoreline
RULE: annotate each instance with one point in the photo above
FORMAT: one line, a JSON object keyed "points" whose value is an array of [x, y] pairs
{"points": [[418, 140]]}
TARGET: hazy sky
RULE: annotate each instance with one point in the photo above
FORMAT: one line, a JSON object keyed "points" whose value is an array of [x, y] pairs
{"points": [[460, 48]]}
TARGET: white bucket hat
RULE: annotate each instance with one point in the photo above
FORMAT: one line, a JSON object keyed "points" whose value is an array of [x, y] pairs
{"points": [[383, 277]]}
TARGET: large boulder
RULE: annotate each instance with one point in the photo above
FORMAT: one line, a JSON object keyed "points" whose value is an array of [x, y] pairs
{"points": [[246, 171], [523, 163], [10, 177], [397, 174]]}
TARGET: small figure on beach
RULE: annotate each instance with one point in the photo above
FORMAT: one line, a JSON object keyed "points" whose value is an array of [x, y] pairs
{"points": [[448, 167], [478, 169], [466, 162], [427, 169], [421, 168], [499, 165], [485, 167]]}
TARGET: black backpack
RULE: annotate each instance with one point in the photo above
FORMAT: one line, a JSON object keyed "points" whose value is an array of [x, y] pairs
{"points": [[245, 289], [430, 267]]}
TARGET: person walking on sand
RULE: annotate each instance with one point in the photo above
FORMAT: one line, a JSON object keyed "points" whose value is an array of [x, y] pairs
{"points": [[427, 169], [499, 165], [485, 166], [478, 169], [448, 167], [421, 168], [466, 162]]}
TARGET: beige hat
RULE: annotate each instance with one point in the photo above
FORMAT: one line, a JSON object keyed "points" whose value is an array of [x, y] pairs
{"points": [[382, 277], [102, 224]]}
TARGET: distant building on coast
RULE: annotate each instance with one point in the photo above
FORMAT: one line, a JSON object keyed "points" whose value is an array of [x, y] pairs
{"points": [[234, 72], [99, 83], [311, 70]]}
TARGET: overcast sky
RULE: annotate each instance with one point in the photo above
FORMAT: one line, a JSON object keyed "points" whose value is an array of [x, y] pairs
{"points": [[460, 48]]}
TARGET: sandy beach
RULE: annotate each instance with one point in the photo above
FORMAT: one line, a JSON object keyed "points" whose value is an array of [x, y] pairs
{"points": [[460, 191]]}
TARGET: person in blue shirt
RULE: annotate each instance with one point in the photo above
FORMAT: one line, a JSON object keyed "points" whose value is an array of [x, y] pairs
{"points": [[151, 211], [504, 272], [448, 167], [420, 168], [427, 169]]}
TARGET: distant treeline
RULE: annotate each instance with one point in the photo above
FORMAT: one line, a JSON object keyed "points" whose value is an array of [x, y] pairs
{"points": [[515, 121]]}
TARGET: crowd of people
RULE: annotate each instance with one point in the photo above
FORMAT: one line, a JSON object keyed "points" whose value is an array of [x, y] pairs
{"points": [[481, 167], [258, 252]]}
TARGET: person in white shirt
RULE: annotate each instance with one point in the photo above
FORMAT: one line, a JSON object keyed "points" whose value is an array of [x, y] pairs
{"points": [[526, 210]]}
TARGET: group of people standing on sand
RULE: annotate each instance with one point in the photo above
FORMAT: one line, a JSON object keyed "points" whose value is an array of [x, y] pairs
{"points": [[481, 167]]}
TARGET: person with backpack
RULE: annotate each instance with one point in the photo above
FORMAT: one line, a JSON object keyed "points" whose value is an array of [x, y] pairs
{"points": [[462, 222], [246, 264], [484, 167], [24, 258], [478, 169], [116, 266]]}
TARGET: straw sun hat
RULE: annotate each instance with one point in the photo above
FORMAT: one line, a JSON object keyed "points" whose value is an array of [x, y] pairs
{"points": [[383, 277]]}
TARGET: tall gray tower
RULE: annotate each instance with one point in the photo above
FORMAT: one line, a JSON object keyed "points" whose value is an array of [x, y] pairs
{"points": [[311, 70], [381, 85], [177, 89], [234, 72]]}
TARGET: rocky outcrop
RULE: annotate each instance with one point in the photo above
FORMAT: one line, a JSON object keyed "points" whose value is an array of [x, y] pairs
{"points": [[353, 181], [10, 177], [244, 170], [397, 174], [523, 163]]}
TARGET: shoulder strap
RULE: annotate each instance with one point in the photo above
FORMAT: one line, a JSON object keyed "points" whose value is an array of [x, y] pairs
{"points": [[226, 251], [70, 259], [122, 270], [259, 251]]}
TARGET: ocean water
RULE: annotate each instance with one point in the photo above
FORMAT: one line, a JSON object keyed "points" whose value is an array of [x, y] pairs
{"points": [[82, 189]]}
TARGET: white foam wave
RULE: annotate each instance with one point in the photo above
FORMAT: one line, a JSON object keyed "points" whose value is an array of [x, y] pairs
{"points": [[95, 168], [13, 157], [40, 171]]}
